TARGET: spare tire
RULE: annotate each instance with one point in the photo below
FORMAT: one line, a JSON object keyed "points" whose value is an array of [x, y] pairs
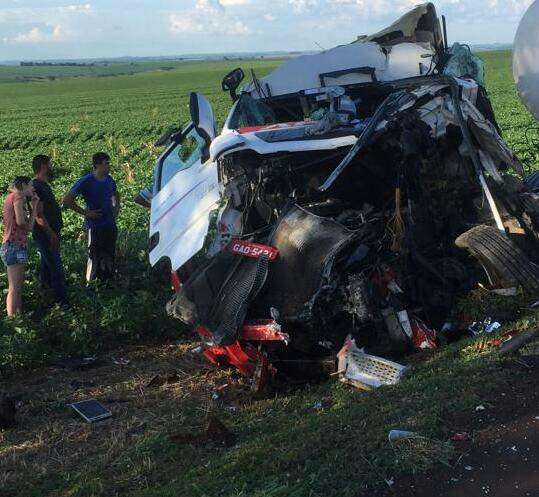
{"points": [[505, 263]]}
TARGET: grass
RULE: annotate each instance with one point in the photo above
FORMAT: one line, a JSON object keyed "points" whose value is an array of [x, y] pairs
{"points": [[324, 440]]}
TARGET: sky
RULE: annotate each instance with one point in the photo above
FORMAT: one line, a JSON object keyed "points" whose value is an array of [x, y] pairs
{"points": [[48, 29]]}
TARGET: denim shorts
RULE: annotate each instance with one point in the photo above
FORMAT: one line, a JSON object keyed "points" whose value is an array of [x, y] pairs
{"points": [[12, 254]]}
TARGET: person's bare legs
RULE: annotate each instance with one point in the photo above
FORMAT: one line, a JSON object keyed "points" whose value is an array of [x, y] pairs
{"points": [[15, 276]]}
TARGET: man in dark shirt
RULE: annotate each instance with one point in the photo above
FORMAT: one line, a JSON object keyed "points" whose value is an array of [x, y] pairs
{"points": [[102, 206], [47, 230]]}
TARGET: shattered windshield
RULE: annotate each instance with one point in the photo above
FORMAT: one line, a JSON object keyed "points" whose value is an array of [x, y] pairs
{"points": [[251, 112]]}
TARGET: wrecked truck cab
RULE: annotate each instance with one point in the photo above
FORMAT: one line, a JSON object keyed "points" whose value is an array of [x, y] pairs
{"points": [[352, 185]]}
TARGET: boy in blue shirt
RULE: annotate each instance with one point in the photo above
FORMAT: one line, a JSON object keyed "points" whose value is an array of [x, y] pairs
{"points": [[102, 207]]}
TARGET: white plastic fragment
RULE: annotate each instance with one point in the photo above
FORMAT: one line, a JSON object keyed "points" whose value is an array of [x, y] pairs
{"points": [[395, 435], [367, 371]]}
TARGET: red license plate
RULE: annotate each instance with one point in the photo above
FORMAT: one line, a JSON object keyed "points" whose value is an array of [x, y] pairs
{"points": [[254, 250]]}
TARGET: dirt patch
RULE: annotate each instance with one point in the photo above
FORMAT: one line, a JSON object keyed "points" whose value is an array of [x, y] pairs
{"points": [[501, 459], [49, 438]]}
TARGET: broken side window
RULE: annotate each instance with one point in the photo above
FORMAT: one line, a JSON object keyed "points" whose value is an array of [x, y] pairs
{"points": [[252, 112], [463, 63], [181, 157]]}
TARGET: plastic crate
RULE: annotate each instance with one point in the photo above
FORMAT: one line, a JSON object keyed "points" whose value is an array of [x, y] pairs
{"points": [[369, 371]]}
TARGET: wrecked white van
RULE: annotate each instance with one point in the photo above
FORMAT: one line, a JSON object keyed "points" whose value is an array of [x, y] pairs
{"points": [[343, 196]]}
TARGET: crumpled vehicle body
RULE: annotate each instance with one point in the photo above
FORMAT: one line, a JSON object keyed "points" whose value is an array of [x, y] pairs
{"points": [[362, 191]]}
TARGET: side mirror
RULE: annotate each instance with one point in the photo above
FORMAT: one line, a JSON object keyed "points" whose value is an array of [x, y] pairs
{"points": [[166, 137], [202, 117], [232, 81]]}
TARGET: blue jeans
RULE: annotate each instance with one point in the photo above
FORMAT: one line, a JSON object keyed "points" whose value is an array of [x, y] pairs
{"points": [[51, 271]]}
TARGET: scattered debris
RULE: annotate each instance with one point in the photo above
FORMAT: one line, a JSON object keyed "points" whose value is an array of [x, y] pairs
{"points": [[460, 437], [517, 342], [121, 361], [91, 410], [485, 326], [160, 380], [216, 434], [366, 371], [78, 362], [424, 337], [395, 435]]}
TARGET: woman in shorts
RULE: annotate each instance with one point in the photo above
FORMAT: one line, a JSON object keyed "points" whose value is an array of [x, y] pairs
{"points": [[18, 222]]}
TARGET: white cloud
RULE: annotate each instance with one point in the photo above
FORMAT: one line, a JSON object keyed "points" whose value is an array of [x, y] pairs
{"points": [[300, 6], [234, 3], [42, 35], [270, 17], [25, 15], [207, 17]]}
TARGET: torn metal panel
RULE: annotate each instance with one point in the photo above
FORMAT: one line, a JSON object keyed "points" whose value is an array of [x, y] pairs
{"points": [[420, 25]]}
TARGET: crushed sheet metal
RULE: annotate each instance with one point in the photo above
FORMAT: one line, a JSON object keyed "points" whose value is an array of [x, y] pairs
{"points": [[490, 167], [364, 138]]}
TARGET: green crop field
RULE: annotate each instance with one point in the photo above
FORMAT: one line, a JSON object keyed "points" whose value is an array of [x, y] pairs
{"points": [[323, 441], [70, 119], [12, 73]]}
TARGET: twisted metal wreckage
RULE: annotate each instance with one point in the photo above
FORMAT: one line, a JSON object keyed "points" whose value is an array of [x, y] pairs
{"points": [[352, 187]]}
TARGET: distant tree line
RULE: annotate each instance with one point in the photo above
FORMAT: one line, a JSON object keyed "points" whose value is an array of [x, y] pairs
{"points": [[71, 64]]}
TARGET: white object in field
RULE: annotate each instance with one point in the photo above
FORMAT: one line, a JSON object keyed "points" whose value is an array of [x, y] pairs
{"points": [[367, 371], [395, 435], [526, 59]]}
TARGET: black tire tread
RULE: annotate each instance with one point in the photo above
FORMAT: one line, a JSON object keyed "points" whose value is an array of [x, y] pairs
{"points": [[491, 246]]}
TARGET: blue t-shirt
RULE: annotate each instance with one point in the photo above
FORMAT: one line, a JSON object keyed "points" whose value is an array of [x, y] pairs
{"points": [[98, 196]]}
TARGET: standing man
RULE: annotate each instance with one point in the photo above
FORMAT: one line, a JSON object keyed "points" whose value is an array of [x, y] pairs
{"points": [[102, 207], [47, 230]]}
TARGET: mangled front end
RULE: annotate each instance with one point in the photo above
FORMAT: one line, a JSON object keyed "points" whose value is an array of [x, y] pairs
{"points": [[349, 210]]}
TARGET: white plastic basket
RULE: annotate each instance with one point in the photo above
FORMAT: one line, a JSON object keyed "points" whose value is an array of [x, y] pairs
{"points": [[369, 371]]}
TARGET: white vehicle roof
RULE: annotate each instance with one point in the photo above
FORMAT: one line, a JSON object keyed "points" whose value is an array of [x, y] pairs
{"points": [[403, 50]]}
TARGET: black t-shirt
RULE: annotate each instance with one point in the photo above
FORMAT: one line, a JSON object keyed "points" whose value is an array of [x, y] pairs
{"points": [[51, 209]]}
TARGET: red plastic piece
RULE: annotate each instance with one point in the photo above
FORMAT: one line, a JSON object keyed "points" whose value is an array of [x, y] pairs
{"points": [[424, 337], [460, 437], [175, 281], [248, 360], [263, 331], [253, 250], [382, 279]]}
